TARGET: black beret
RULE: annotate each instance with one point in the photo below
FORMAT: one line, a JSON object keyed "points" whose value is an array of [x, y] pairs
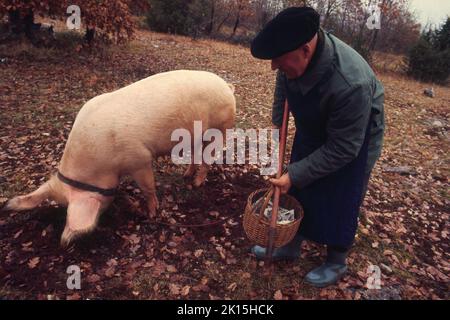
{"points": [[289, 30]]}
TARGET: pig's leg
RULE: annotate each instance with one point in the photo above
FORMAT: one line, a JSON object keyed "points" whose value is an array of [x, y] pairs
{"points": [[190, 172], [201, 174], [203, 168], [82, 215], [200, 170], [200, 177], [30, 200], [146, 182]]}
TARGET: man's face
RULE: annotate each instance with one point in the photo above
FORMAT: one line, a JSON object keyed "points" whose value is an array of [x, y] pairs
{"points": [[293, 63]]}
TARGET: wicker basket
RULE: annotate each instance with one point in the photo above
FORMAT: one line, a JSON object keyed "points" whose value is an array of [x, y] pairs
{"points": [[256, 225]]}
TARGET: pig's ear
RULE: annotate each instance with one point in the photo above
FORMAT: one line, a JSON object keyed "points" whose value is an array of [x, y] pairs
{"points": [[82, 217]]}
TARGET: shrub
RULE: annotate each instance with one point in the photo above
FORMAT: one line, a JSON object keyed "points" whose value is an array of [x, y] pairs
{"points": [[185, 17], [429, 59]]}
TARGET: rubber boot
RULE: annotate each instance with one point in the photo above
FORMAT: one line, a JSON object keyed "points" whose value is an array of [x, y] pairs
{"points": [[291, 251], [331, 271]]}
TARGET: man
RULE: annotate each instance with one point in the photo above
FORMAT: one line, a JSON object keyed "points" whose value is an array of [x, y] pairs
{"points": [[337, 104]]}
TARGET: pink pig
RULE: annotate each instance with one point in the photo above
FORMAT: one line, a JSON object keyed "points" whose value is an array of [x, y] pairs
{"points": [[120, 133]]}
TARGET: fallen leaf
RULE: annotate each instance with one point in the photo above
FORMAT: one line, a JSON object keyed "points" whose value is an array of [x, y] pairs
{"points": [[171, 268], [75, 296], [134, 239], [174, 289], [232, 286], [185, 290], [112, 262], [93, 278], [33, 262], [198, 253], [18, 234], [214, 214], [201, 287], [364, 231], [109, 272], [278, 295]]}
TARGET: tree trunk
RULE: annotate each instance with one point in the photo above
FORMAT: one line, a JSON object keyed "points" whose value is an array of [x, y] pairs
{"points": [[236, 24], [23, 24], [89, 35], [374, 40], [328, 13], [29, 24], [223, 21], [344, 16], [15, 23], [210, 27]]}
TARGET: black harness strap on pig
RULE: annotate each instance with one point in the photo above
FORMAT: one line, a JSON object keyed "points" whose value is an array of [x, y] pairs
{"points": [[85, 186]]}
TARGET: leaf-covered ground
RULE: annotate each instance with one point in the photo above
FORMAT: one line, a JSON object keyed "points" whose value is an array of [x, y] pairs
{"points": [[403, 226]]}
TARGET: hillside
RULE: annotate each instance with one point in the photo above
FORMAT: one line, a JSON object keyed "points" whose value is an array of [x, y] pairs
{"points": [[404, 226]]}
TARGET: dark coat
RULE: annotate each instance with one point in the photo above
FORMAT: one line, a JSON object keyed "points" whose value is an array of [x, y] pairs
{"points": [[338, 110]]}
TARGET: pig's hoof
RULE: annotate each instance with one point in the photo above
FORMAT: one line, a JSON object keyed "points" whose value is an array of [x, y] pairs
{"points": [[152, 212], [199, 181], [4, 207], [153, 206], [7, 206], [156, 203]]}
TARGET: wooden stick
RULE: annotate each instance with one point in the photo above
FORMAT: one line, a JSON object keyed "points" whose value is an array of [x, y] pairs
{"points": [[276, 197]]}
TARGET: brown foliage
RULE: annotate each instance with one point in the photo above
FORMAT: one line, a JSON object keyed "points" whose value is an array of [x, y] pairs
{"points": [[111, 20]]}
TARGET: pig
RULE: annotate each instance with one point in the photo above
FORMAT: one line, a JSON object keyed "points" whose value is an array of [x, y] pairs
{"points": [[121, 133]]}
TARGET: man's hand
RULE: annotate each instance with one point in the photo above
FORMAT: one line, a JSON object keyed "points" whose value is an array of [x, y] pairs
{"points": [[284, 183]]}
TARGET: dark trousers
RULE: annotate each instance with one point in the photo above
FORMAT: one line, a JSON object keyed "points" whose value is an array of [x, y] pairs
{"points": [[365, 186], [363, 195]]}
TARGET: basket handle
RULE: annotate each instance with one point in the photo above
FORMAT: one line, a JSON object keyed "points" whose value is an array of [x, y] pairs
{"points": [[277, 193], [267, 196]]}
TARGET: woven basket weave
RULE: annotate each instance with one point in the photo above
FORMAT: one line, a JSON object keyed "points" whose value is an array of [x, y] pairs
{"points": [[256, 225]]}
